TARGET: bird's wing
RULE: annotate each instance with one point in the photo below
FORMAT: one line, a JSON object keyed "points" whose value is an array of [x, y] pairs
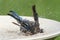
{"points": [[23, 23], [15, 16]]}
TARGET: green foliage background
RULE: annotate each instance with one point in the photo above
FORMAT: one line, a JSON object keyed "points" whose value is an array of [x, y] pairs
{"points": [[45, 8]]}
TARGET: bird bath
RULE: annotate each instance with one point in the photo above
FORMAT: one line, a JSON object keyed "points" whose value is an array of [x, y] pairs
{"points": [[9, 31]]}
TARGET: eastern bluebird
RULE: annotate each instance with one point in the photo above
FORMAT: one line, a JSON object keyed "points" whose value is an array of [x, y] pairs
{"points": [[30, 27]]}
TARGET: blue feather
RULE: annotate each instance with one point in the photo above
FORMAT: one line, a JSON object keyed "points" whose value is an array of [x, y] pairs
{"points": [[16, 15]]}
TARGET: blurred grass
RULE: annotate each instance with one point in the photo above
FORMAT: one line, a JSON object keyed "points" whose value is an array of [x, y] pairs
{"points": [[45, 8]]}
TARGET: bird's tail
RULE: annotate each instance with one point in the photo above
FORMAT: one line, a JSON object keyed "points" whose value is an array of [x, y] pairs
{"points": [[35, 15]]}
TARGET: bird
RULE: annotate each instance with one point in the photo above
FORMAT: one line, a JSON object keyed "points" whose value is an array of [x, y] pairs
{"points": [[27, 26]]}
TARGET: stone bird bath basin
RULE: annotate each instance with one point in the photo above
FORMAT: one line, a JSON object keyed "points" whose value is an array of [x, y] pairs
{"points": [[9, 31]]}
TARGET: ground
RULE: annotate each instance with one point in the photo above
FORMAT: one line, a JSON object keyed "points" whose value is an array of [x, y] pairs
{"points": [[45, 8]]}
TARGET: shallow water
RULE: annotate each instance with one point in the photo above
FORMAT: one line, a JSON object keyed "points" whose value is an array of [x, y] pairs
{"points": [[10, 31]]}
